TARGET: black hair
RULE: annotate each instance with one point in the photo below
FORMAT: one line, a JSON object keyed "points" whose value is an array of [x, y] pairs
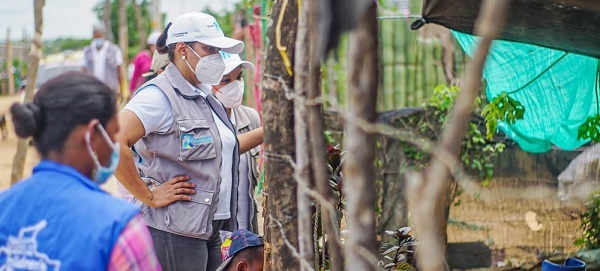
{"points": [[163, 48], [250, 254], [60, 105]]}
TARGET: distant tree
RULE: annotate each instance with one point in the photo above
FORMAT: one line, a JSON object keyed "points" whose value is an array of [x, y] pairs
{"points": [[62, 44], [133, 37]]}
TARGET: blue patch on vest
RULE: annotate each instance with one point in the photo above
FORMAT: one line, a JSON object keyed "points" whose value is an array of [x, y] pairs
{"points": [[189, 141]]}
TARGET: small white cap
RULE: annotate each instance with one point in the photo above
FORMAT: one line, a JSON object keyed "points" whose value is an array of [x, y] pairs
{"points": [[232, 61], [152, 38], [203, 28], [158, 62]]}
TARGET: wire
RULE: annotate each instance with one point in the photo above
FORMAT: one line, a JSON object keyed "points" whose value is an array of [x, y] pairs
{"points": [[282, 49], [540, 75]]}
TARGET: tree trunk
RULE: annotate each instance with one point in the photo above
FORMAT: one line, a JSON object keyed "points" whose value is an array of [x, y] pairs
{"points": [[316, 128], [9, 64], [157, 25], [139, 22], [394, 210], [123, 44], [34, 57], [303, 172], [429, 191], [359, 173], [106, 20], [278, 118]]}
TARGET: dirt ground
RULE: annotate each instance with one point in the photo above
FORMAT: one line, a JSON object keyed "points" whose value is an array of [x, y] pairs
{"points": [[495, 216]]}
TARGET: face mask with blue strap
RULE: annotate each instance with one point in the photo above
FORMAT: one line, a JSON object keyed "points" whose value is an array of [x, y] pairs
{"points": [[102, 173]]}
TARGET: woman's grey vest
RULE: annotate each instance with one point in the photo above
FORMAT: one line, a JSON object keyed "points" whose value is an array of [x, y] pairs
{"points": [[191, 147], [247, 119]]}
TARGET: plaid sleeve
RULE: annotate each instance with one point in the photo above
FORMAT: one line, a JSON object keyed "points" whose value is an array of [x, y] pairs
{"points": [[134, 249]]}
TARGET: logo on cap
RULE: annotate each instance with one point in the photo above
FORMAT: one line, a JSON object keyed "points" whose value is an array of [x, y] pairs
{"points": [[215, 25]]}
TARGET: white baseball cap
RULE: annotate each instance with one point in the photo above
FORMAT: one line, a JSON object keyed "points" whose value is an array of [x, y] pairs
{"points": [[232, 61], [203, 28], [152, 38]]}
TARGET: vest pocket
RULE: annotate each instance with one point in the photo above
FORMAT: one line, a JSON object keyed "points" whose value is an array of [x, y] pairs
{"points": [[190, 217], [196, 141]]}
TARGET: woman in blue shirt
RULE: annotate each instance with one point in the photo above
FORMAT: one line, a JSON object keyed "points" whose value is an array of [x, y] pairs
{"points": [[59, 218]]}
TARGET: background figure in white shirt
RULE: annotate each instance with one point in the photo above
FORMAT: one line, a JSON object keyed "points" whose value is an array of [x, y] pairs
{"points": [[104, 60]]}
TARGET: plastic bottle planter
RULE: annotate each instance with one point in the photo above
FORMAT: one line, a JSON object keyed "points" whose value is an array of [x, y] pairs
{"points": [[571, 264]]}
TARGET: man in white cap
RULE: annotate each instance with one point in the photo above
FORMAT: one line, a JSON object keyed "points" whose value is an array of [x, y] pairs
{"points": [[142, 62]]}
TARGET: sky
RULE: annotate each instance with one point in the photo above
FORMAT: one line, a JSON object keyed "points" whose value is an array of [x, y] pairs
{"points": [[75, 18]]}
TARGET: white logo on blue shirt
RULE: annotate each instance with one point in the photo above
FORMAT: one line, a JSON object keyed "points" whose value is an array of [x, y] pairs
{"points": [[20, 253]]}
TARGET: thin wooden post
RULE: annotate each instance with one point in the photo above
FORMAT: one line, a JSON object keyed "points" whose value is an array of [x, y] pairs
{"points": [[139, 22], [123, 44], [34, 58], [359, 172], [156, 16], [106, 20], [318, 145], [9, 64], [302, 170]]}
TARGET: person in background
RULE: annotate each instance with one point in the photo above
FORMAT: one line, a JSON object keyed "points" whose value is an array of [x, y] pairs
{"points": [[60, 218], [142, 62], [243, 251], [186, 177], [159, 64], [230, 92], [104, 60]]}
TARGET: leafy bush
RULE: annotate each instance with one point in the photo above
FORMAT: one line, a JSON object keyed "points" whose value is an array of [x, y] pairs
{"points": [[477, 151], [396, 252], [590, 222]]}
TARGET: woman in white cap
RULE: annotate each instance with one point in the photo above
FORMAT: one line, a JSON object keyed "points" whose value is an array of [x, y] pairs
{"points": [[230, 91], [185, 174]]}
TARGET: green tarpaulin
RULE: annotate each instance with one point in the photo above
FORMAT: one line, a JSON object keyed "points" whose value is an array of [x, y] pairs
{"points": [[557, 89]]}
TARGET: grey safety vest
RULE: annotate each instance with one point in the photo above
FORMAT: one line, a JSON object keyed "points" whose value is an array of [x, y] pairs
{"points": [[247, 119], [192, 147], [111, 71]]}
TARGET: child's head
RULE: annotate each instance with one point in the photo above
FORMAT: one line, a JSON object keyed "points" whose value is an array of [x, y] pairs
{"points": [[245, 252]]}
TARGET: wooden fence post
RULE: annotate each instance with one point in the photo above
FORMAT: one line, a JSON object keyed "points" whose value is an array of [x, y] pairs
{"points": [[303, 172], [34, 58], [359, 173]]}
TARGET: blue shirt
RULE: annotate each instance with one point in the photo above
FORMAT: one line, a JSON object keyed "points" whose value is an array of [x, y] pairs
{"points": [[59, 219]]}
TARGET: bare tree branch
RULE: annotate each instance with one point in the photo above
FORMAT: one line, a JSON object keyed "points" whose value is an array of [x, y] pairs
{"points": [[315, 128], [359, 173], [428, 191], [302, 166]]}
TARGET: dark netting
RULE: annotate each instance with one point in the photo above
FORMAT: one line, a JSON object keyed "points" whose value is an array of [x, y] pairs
{"points": [[568, 25]]}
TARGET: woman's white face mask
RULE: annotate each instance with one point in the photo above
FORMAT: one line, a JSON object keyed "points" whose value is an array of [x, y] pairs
{"points": [[209, 69], [232, 94]]}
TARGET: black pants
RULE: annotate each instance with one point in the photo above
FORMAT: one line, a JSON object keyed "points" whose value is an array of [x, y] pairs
{"points": [[180, 253]]}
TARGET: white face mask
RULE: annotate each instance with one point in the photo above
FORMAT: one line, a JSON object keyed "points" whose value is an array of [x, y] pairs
{"points": [[209, 69], [231, 95], [98, 42]]}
